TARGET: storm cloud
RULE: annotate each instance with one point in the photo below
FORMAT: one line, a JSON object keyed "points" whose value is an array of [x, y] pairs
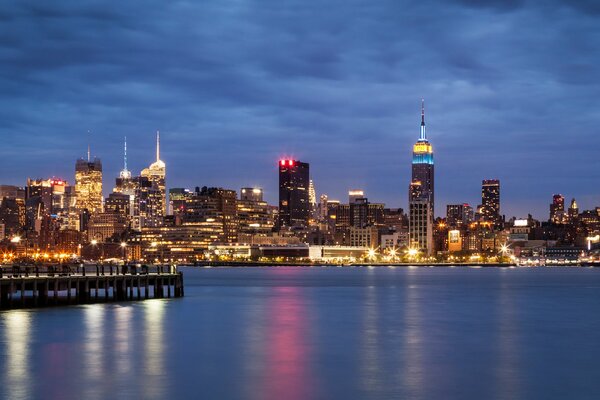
{"points": [[511, 91]]}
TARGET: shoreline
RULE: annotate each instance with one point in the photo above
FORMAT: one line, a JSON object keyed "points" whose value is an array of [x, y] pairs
{"points": [[239, 264]]}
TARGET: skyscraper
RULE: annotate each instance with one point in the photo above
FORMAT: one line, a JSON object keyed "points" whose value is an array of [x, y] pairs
{"points": [[156, 173], [294, 204], [421, 193], [88, 184], [490, 200], [459, 214], [557, 209], [422, 162]]}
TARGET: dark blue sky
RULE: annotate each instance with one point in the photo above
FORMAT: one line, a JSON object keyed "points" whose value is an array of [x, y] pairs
{"points": [[512, 91]]}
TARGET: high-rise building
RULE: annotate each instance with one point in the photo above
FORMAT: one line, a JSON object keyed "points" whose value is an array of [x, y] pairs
{"points": [[490, 200], [573, 211], [354, 195], [557, 209], [422, 163], [12, 210], [210, 205], [156, 173], [323, 208], [459, 214], [255, 216], [294, 203], [421, 193], [420, 220], [51, 197], [88, 184]]}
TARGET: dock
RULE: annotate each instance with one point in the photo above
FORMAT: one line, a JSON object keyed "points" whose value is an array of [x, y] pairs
{"points": [[43, 286]]}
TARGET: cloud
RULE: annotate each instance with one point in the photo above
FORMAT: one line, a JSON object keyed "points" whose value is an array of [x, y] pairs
{"points": [[510, 90]]}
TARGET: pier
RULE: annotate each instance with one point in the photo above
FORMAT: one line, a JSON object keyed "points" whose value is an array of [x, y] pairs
{"points": [[43, 286]]}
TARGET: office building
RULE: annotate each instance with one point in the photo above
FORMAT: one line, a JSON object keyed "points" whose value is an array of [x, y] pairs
{"points": [[490, 201], [88, 184], [156, 174], [557, 209], [459, 214], [294, 202]]}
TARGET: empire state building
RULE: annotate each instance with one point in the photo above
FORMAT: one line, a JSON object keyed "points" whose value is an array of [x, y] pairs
{"points": [[421, 193]]}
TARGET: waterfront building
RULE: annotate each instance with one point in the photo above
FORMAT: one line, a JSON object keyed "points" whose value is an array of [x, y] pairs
{"points": [[364, 236], [254, 216], [294, 202], [210, 205]]}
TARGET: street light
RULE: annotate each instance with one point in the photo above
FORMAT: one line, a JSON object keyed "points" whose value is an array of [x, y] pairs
{"points": [[123, 246], [17, 239]]}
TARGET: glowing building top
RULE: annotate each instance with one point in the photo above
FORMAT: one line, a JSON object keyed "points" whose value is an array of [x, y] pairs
{"points": [[422, 150]]}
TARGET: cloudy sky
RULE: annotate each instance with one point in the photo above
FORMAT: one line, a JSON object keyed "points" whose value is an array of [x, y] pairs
{"points": [[512, 91]]}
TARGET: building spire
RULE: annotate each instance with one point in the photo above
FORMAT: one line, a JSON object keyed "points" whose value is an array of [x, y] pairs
{"points": [[125, 155], [88, 152], [423, 136], [125, 174], [157, 146]]}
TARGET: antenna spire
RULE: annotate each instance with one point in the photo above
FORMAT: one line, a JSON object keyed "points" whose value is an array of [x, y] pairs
{"points": [[125, 155], [423, 135], [157, 146], [88, 152]]}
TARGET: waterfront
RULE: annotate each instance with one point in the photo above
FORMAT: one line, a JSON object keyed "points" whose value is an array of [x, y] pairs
{"points": [[320, 333]]}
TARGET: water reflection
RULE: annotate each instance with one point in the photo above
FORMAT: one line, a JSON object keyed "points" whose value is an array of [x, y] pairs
{"points": [[93, 349], [254, 345], [288, 375], [507, 368], [17, 336], [370, 362], [412, 370], [123, 339], [154, 349]]}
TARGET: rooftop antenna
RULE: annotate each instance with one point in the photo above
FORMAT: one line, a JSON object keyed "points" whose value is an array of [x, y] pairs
{"points": [[157, 145], [88, 152], [423, 136]]}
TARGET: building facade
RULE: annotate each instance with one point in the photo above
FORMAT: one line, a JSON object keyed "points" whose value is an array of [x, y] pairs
{"points": [[294, 202]]}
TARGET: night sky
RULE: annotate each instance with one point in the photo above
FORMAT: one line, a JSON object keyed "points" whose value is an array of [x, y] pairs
{"points": [[511, 88]]}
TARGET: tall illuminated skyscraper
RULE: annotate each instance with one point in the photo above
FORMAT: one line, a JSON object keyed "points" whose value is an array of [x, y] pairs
{"points": [[294, 202], [557, 209], [156, 173], [421, 193], [88, 184], [490, 200]]}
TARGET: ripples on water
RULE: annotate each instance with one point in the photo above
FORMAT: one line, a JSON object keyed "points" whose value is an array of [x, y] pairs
{"points": [[320, 333]]}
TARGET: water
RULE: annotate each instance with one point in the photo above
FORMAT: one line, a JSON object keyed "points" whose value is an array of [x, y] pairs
{"points": [[320, 333]]}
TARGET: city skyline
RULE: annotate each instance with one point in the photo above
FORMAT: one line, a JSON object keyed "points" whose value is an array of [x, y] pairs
{"points": [[344, 100]]}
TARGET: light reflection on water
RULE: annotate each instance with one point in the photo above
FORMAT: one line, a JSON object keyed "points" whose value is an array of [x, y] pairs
{"points": [[319, 333], [16, 326]]}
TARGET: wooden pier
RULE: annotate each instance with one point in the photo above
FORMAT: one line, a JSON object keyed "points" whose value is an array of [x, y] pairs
{"points": [[42, 286]]}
